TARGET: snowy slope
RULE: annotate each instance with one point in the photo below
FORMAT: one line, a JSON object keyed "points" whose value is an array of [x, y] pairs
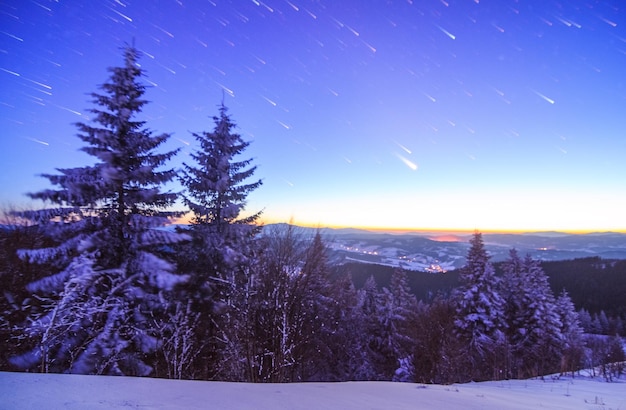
{"points": [[53, 391]]}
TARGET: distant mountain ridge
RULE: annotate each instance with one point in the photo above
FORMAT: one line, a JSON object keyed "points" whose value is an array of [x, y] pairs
{"points": [[437, 252]]}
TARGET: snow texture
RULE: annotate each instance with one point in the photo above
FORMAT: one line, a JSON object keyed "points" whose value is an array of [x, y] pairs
{"points": [[61, 391]]}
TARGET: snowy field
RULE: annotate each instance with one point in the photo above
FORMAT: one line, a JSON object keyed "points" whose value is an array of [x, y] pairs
{"points": [[54, 391]]}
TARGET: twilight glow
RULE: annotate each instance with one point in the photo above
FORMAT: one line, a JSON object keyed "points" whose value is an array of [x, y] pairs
{"points": [[407, 115]]}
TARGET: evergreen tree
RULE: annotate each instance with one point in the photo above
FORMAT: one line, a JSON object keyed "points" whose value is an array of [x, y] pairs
{"points": [[216, 192], [534, 326], [480, 322], [111, 274], [585, 320], [320, 322], [220, 254], [346, 334], [378, 340], [516, 292], [571, 333], [542, 343], [403, 310]]}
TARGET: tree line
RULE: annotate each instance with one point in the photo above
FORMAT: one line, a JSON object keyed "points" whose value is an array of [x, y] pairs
{"points": [[100, 283]]}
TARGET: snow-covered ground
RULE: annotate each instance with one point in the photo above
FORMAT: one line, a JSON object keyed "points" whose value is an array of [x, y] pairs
{"points": [[54, 391]]}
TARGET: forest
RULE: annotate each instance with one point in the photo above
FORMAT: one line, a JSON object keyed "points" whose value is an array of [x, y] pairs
{"points": [[101, 282]]}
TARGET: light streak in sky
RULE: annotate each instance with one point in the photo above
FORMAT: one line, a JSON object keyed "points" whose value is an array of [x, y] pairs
{"points": [[46, 86], [500, 29], [311, 14], [287, 127], [12, 36], [42, 6], [228, 90], [407, 162], [447, 33], [38, 83], [293, 6], [163, 30], [405, 149], [39, 141], [10, 72], [120, 14], [356, 33], [609, 22], [69, 110], [550, 100], [268, 8], [269, 101], [372, 48]]}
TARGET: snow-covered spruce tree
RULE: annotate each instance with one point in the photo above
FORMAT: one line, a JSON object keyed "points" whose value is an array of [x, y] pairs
{"points": [[515, 291], [103, 301], [377, 339], [347, 356], [479, 319], [542, 344], [572, 334], [219, 256], [534, 325], [401, 307], [317, 341]]}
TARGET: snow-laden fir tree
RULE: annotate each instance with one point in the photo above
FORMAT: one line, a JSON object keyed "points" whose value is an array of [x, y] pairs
{"points": [[216, 185], [480, 321], [571, 333], [217, 188], [99, 310], [401, 308], [542, 343], [377, 339], [534, 324], [219, 257]]}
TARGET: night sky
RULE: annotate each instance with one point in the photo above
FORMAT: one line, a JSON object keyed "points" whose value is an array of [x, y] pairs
{"points": [[442, 114]]}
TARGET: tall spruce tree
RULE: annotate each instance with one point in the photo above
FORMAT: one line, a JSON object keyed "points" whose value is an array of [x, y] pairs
{"points": [[516, 294], [99, 310], [216, 192], [401, 306], [534, 325], [480, 320], [542, 344], [572, 334], [377, 341], [219, 256]]}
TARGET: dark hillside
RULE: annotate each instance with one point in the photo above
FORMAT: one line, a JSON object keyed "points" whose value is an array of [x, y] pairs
{"points": [[423, 284], [594, 284]]}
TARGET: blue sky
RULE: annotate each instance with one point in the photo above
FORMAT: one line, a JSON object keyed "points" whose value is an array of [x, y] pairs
{"points": [[448, 115]]}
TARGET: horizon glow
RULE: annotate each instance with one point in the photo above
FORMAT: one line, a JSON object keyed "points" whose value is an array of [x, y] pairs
{"points": [[403, 116]]}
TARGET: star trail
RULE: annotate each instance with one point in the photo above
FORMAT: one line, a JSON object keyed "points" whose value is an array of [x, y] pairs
{"points": [[407, 115]]}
